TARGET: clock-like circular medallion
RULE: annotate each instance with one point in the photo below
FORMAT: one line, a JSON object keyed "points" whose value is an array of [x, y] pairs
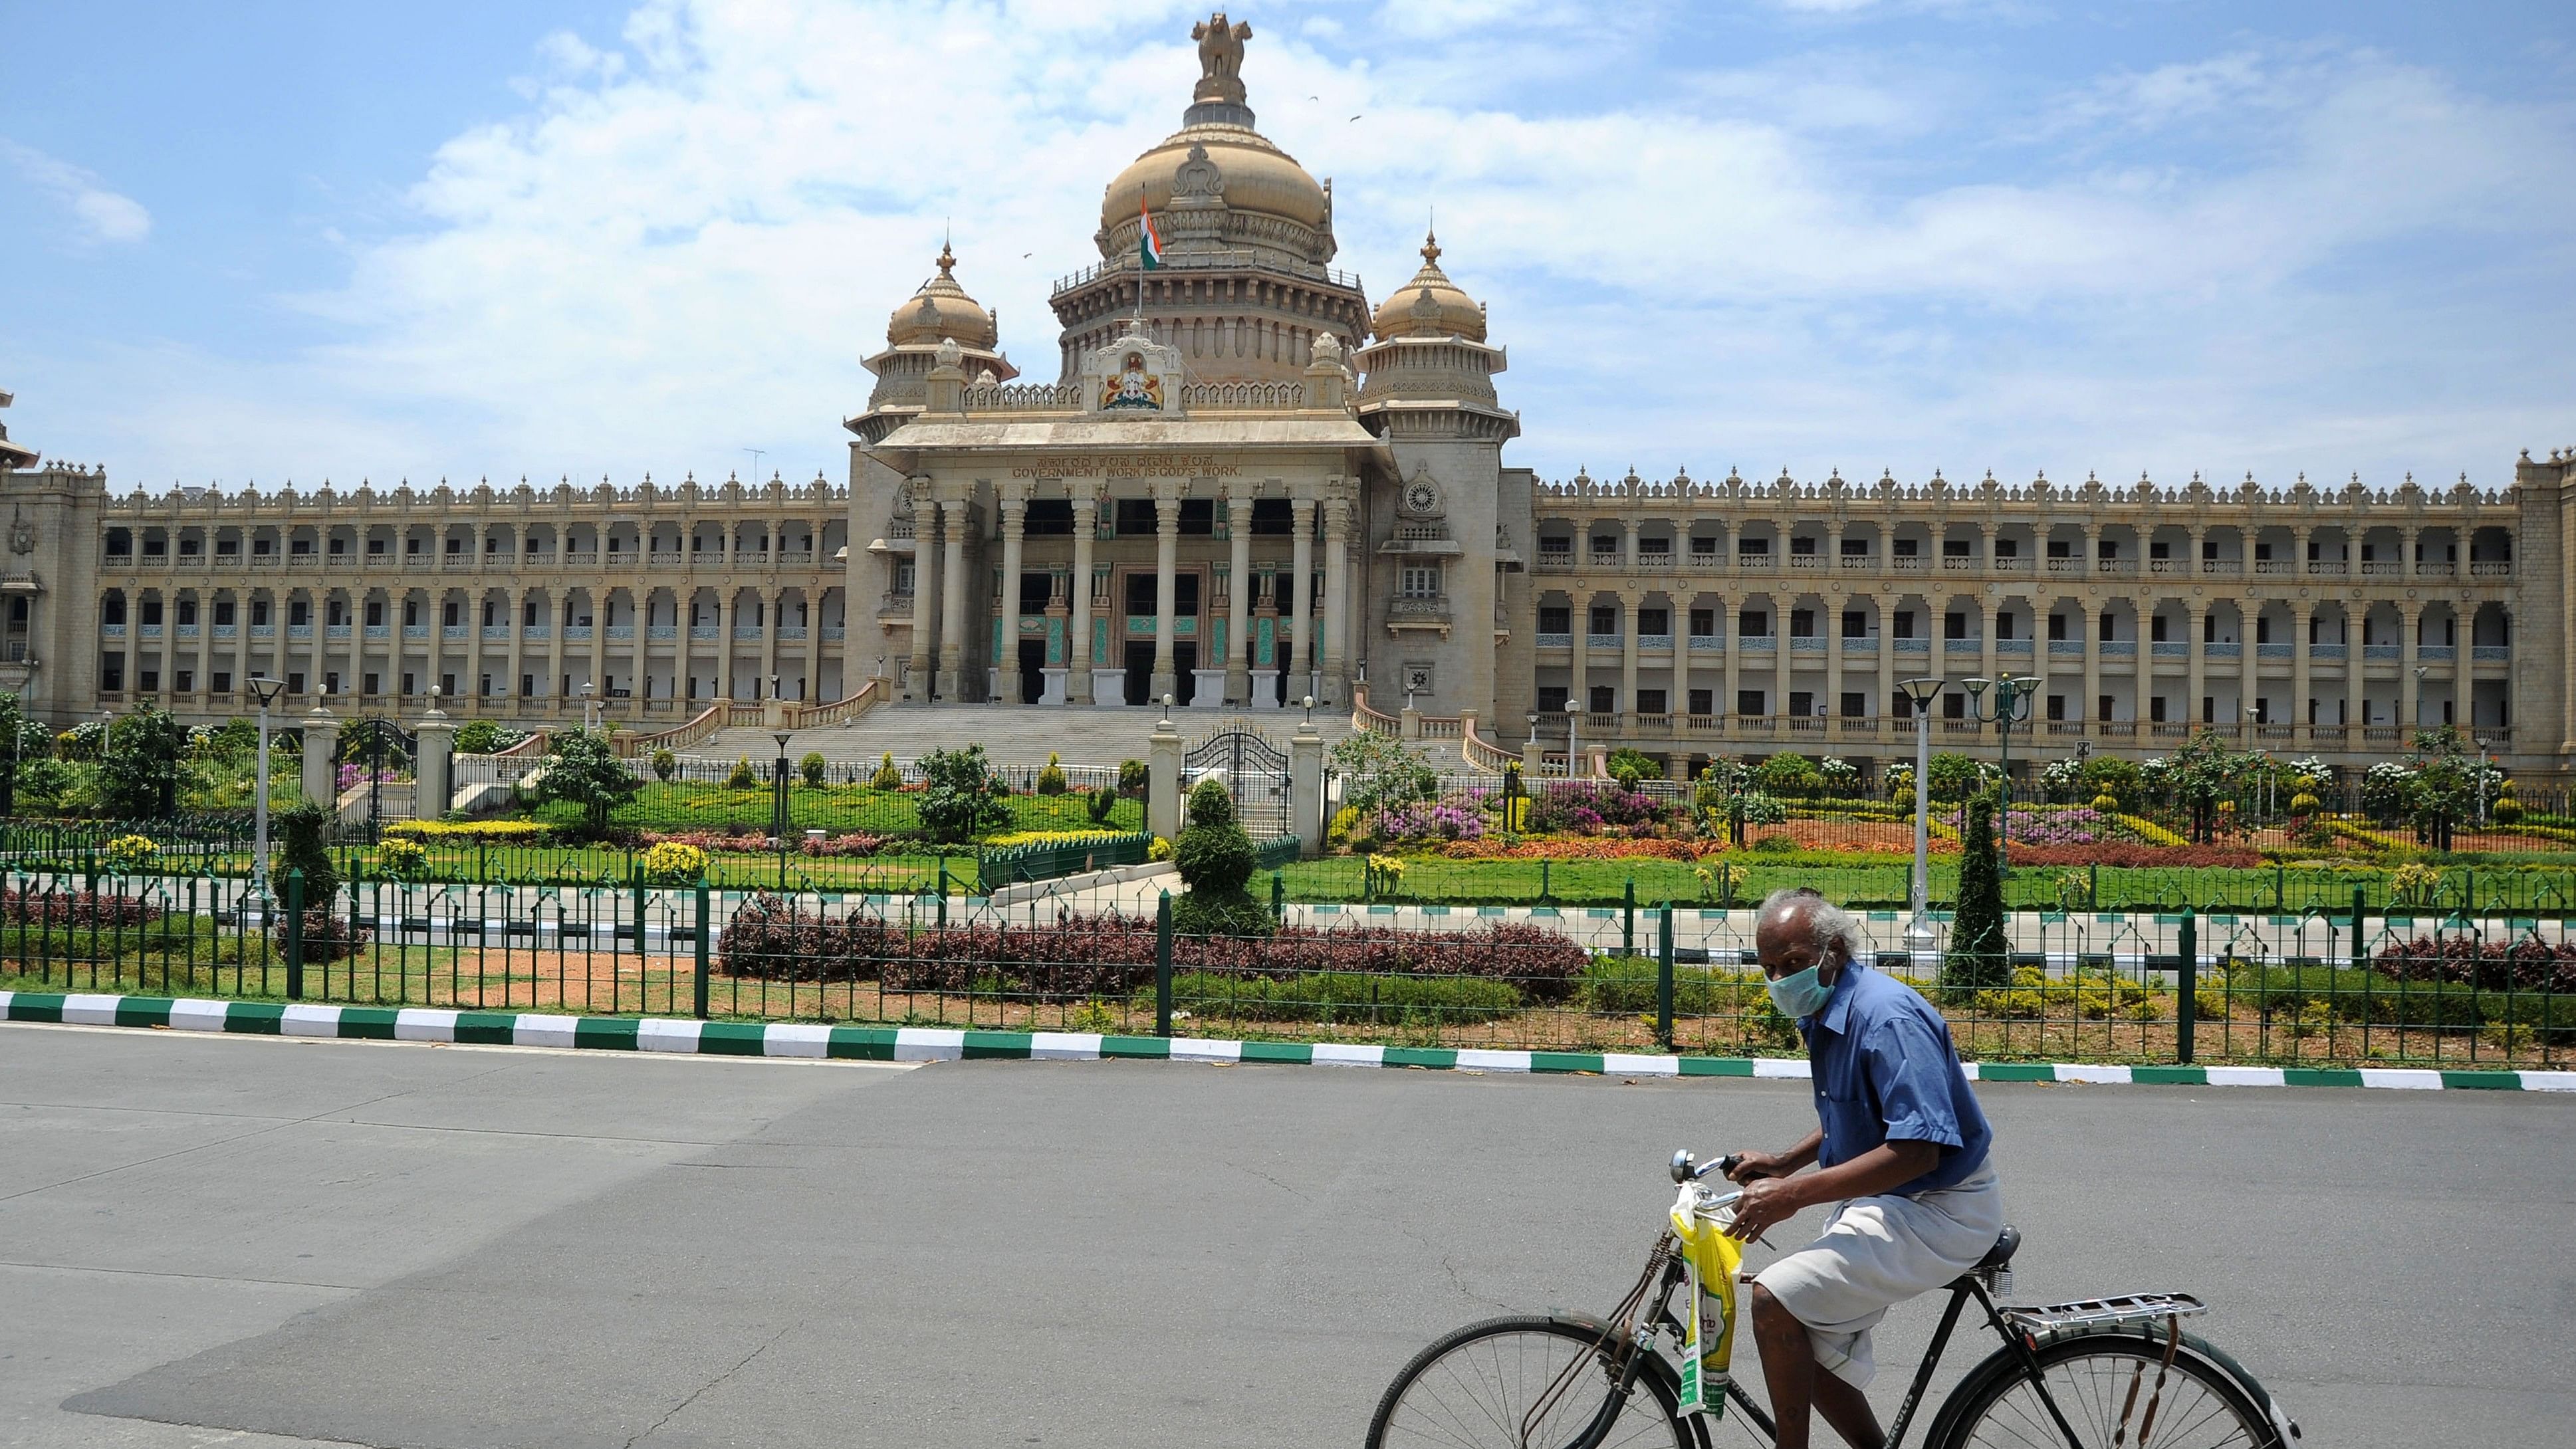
{"points": [[1421, 496]]}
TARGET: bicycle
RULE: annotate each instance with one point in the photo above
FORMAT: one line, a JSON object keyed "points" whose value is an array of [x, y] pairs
{"points": [[2106, 1373]]}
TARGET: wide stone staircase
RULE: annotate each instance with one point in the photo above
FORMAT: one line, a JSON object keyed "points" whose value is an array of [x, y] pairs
{"points": [[1023, 735]]}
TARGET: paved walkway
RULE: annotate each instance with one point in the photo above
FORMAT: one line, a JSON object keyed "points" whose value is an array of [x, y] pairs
{"points": [[380, 1243]]}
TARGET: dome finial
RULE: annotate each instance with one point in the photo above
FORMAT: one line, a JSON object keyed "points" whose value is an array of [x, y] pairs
{"points": [[1430, 247]]}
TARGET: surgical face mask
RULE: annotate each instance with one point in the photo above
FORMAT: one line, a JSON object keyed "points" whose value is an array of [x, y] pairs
{"points": [[1800, 994]]}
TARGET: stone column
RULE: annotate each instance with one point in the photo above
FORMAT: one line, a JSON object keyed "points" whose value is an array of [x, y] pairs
{"points": [[2249, 687], [599, 617], [2410, 634], [2195, 622], [1015, 514], [1630, 601], [2090, 629], [1832, 604], [724, 641], [433, 772], [1306, 786], [241, 638], [1077, 653], [2464, 618], [1730, 635], [1579, 684], [1878, 707], [925, 551], [956, 513], [642, 609], [1238, 629], [321, 768], [1301, 595], [1338, 633], [2302, 672], [1163, 779], [1781, 654], [1167, 568], [2356, 679], [773, 604], [519, 646]]}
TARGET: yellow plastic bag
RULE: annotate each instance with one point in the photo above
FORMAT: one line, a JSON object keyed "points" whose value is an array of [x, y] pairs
{"points": [[1708, 1329]]}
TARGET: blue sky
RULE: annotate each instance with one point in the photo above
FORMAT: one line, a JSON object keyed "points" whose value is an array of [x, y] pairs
{"points": [[308, 240]]}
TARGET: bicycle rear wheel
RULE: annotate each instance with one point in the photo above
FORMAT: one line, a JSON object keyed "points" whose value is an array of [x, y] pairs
{"points": [[1476, 1388], [2106, 1384]]}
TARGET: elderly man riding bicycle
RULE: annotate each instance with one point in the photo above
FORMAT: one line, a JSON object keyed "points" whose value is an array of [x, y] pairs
{"points": [[1900, 1150]]}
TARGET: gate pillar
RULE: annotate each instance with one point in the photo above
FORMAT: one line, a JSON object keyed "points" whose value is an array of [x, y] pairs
{"points": [[433, 768], [321, 761], [1163, 780], [1306, 786]]}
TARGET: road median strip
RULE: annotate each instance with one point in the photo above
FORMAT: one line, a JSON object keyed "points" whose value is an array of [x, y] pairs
{"points": [[945, 1044]]}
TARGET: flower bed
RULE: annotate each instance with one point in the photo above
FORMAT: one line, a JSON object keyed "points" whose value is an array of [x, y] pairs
{"points": [[2134, 856], [748, 841], [2526, 964], [76, 908], [1580, 847], [1113, 954], [468, 832], [1854, 837]]}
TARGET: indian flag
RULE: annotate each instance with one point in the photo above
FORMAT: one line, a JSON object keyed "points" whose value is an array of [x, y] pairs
{"points": [[1149, 242]]}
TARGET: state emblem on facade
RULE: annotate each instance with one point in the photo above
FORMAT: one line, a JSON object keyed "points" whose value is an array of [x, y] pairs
{"points": [[1132, 387]]}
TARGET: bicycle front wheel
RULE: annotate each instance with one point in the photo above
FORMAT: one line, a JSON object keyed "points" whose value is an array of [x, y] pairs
{"points": [[1526, 1382], [2108, 1387]]}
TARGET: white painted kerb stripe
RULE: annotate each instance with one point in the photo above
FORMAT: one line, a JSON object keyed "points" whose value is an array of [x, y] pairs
{"points": [[2549, 1081], [1618, 1063], [532, 1029], [929, 1044], [1201, 1049], [1336, 1054], [2070, 1072], [1488, 1059], [2245, 1076], [301, 1019], [1064, 1046], [1794, 1067], [2401, 1079], [666, 1034], [194, 1015], [796, 1039]]}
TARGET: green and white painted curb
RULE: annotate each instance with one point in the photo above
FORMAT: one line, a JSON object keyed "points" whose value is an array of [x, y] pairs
{"points": [[948, 1044]]}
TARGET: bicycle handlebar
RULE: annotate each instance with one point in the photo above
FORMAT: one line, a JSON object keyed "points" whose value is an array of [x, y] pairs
{"points": [[1688, 1168]]}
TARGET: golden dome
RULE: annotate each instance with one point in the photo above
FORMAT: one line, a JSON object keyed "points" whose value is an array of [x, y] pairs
{"points": [[1430, 305], [940, 310], [1253, 175]]}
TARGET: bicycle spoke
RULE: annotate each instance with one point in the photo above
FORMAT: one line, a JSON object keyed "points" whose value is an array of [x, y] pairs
{"points": [[1479, 1393], [2106, 1395]]}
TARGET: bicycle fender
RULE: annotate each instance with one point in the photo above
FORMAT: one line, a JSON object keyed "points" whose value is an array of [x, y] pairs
{"points": [[2003, 1363]]}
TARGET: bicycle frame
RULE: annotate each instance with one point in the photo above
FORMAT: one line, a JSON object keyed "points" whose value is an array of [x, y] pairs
{"points": [[1963, 1288]]}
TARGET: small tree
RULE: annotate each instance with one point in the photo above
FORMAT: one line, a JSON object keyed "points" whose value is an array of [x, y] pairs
{"points": [[961, 797], [2445, 785], [586, 772], [740, 777], [1790, 777], [665, 764], [301, 845], [1378, 773], [1628, 766], [1051, 779], [1978, 958], [138, 775], [887, 776], [2113, 776], [1215, 859], [2198, 774], [813, 768], [1955, 777]]}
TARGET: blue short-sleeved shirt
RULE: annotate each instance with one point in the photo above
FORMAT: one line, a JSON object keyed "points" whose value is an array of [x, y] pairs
{"points": [[1885, 1070]]}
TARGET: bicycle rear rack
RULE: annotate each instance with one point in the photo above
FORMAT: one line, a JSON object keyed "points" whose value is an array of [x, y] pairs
{"points": [[2097, 1312]]}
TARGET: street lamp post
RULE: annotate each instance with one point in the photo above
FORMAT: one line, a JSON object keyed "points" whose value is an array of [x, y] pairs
{"points": [[778, 805], [265, 691], [2482, 781], [1918, 931], [589, 707], [1573, 722], [2010, 707]]}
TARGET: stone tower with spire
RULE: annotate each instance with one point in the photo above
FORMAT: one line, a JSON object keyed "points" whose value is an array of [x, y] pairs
{"points": [[1440, 529]]}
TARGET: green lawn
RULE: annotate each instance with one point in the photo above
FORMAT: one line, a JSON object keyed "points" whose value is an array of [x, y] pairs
{"points": [[835, 808]]}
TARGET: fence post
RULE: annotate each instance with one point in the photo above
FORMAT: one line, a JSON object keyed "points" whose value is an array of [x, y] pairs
{"points": [[2280, 885], [295, 935], [1628, 918], [2186, 989], [2360, 947], [2093, 884], [1664, 979], [1543, 891], [1278, 897], [638, 869], [943, 893], [701, 944], [1163, 965]]}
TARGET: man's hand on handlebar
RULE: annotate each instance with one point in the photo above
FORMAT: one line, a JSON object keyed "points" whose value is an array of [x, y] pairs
{"points": [[1748, 1167]]}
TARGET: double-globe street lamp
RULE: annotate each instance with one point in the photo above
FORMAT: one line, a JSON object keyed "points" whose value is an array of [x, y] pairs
{"points": [[1921, 693], [2009, 706], [266, 691]]}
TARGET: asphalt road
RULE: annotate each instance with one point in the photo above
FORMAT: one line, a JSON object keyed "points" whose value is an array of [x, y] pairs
{"points": [[397, 1245]]}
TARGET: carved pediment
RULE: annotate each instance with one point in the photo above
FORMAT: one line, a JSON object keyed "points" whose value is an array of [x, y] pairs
{"points": [[1134, 374]]}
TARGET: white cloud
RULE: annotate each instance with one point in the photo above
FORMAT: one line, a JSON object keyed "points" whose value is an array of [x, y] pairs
{"points": [[685, 244], [101, 214]]}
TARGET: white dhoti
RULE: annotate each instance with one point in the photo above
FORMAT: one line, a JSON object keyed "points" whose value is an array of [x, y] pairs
{"points": [[1877, 1252]]}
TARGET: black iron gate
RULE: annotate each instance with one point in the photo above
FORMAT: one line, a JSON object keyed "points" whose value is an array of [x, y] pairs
{"points": [[380, 749], [1255, 773]]}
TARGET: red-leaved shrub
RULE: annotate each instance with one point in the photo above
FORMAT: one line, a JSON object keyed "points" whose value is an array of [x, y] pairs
{"points": [[2526, 963], [82, 909], [1111, 954]]}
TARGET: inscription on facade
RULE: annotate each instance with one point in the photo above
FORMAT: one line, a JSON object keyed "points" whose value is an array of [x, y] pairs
{"points": [[1130, 465]]}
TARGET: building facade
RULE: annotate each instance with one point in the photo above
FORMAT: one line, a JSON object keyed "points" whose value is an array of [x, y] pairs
{"points": [[1247, 486]]}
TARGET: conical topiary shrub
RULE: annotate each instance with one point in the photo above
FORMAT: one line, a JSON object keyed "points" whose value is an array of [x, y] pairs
{"points": [[1978, 958]]}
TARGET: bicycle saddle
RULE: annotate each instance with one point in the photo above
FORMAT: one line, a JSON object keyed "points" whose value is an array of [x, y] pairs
{"points": [[2001, 1254]]}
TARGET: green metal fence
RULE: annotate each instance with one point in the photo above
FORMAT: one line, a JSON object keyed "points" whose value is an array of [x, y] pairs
{"points": [[2353, 987]]}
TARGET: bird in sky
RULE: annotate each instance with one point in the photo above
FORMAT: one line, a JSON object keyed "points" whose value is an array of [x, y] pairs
{"points": [[1357, 117]]}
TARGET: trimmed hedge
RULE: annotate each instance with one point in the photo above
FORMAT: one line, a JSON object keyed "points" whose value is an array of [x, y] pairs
{"points": [[2527, 963], [1105, 955], [1343, 996]]}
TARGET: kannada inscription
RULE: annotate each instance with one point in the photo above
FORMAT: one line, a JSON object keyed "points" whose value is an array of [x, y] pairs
{"points": [[1129, 465]]}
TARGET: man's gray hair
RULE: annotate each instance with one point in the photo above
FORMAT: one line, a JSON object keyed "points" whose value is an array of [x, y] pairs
{"points": [[1828, 924]]}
